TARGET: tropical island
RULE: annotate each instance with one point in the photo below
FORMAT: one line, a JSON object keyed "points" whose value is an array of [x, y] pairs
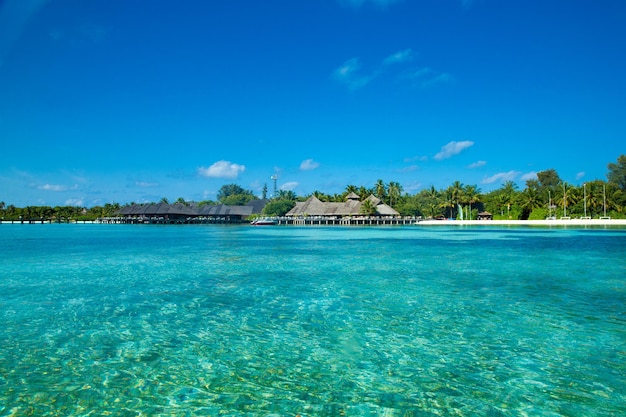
{"points": [[546, 197]]}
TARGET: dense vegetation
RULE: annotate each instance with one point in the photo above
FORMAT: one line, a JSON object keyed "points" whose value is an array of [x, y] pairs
{"points": [[548, 195]]}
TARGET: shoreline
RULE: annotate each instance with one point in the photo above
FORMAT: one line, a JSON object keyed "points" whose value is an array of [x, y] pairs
{"points": [[543, 223], [546, 223]]}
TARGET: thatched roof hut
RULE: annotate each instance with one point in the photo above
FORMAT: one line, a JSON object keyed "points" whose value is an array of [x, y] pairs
{"points": [[179, 211], [351, 207]]}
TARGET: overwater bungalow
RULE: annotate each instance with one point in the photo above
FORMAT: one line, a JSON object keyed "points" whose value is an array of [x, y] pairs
{"points": [[351, 207], [164, 213]]}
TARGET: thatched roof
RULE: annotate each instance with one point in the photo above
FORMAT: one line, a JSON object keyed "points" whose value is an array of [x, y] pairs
{"points": [[314, 207], [159, 209], [224, 210], [164, 209]]}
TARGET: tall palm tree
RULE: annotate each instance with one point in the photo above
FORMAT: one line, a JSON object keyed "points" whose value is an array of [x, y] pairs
{"points": [[286, 195], [394, 189], [455, 194], [568, 196], [530, 199], [448, 202], [472, 195], [351, 189], [379, 190], [363, 192], [321, 196]]}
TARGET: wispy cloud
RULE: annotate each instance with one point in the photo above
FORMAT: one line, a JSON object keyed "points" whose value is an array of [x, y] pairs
{"points": [[145, 184], [501, 177], [77, 202], [580, 175], [416, 159], [529, 176], [56, 187], [289, 186], [427, 77], [477, 164], [399, 57], [453, 148], [309, 165], [349, 74], [222, 169]]}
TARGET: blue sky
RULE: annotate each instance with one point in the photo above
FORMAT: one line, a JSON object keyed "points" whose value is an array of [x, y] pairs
{"points": [[131, 101]]}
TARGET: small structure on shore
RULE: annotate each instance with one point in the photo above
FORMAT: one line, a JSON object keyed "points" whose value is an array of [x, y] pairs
{"points": [[351, 207], [485, 215]]}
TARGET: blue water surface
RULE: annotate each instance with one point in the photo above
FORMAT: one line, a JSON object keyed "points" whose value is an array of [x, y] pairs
{"points": [[207, 320]]}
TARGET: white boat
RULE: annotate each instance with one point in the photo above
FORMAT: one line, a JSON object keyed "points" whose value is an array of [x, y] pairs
{"points": [[263, 222]]}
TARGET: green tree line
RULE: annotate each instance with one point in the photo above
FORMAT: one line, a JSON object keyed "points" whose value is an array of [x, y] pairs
{"points": [[546, 196]]}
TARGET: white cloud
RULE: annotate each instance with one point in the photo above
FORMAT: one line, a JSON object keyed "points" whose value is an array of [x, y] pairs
{"points": [[580, 175], [78, 202], [56, 187], [309, 165], [399, 57], [477, 164], [145, 184], [52, 187], [289, 186], [427, 77], [348, 74], [413, 188], [453, 148], [222, 169], [441, 78], [501, 177], [529, 176]]}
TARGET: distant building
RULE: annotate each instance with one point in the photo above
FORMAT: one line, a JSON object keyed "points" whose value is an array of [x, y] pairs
{"points": [[351, 207], [180, 213], [485, 215]]}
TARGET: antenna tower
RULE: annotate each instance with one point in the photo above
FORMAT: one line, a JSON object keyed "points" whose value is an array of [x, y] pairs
{"points": [[274, 178]]}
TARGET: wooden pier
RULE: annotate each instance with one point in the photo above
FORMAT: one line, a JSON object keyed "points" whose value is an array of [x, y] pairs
{"points": [[282, 221], [347, 221]]}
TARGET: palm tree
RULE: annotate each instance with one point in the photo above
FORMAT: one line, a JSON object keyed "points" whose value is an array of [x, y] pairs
{"points": [[530, 199], [448, 202], [368, 208], [472, 195], [321, 196], [351, 189], [182, 201], [395, 189], [455, 194], [379, 190], [286, 195], [568, 197], [363, 192]]}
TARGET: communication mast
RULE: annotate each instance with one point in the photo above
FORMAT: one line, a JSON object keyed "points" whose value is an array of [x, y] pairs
{"points": [[274, 178]]}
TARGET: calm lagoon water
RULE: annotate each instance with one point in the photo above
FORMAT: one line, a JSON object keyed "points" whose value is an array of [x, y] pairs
{"points": [[312, 321]]}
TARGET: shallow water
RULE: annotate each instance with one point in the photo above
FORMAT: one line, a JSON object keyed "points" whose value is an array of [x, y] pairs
{"points": [[315, 321]]}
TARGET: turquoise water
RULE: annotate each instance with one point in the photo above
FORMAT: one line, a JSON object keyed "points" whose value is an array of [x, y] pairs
{"points": [[311, 321]]}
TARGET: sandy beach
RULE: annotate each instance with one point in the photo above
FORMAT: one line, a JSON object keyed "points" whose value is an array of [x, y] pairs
{"points": [[545, 223]]}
